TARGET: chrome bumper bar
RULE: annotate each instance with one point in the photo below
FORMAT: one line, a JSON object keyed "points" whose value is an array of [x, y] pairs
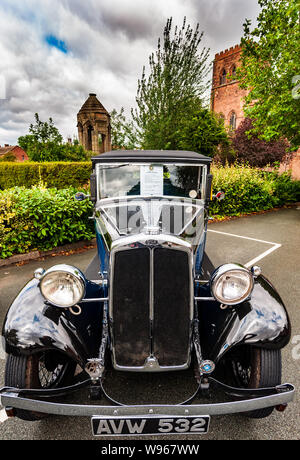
{"points": [[284, 395]]}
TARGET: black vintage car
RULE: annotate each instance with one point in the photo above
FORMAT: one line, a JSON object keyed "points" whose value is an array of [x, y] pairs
{"points": [[150, 302]]}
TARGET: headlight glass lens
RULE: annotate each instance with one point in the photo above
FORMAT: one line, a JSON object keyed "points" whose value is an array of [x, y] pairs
{"points": [[62, 288], [232, 286]]}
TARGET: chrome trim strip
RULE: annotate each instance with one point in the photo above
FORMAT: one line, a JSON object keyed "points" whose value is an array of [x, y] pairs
{"points": [[98, 299], [10, 399], [154, 364], [147, 368], [161, 238], [209, 299], [151, 289]]}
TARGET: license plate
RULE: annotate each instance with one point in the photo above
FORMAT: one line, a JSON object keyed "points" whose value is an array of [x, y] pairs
{"points": [[130, 426]]}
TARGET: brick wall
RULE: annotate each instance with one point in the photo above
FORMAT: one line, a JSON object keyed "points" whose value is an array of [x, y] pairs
{"points": [[293, 166]]}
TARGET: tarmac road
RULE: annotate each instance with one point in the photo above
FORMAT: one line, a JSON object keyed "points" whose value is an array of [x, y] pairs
{"points": [[279, 263]]}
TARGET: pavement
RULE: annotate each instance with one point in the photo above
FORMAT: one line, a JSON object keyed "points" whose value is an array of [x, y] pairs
{"points": [[271, 240]]}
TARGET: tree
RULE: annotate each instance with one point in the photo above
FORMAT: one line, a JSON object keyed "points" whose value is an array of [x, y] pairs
{"points": [[270, 70], [75, 152], [45, 143], [203, 132], [256, 152], [174, 88], [123, 132]]}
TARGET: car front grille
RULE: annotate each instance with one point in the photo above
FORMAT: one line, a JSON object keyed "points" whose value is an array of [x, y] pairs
{"points": [[150, 306]]}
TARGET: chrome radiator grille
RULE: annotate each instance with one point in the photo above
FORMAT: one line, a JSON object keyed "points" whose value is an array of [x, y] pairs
{"points": [[150, 307]]}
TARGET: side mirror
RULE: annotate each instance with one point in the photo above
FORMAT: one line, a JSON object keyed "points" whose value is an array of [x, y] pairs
{"points": [[80, 196], [219, 195]]}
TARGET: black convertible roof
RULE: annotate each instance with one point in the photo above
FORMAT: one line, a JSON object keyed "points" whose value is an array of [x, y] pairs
{"points": [[151, 156]]}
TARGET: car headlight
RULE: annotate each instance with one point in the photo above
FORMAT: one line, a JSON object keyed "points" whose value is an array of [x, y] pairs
{"points": [[231, 284], [63, 285]]}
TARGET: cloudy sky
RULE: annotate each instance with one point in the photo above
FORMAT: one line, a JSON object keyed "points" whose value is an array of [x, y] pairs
{"points": [[53, 53]]}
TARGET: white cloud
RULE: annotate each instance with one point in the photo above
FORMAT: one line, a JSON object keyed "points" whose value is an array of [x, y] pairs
{"points": [[108, 43]]}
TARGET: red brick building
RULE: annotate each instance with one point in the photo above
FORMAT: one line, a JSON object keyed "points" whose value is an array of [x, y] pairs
{"points": [[226, 96], [14, 150]]}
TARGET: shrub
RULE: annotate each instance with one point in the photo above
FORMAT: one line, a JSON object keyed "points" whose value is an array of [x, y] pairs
{"points": [[42, 219], [285, 189], [255, 151], [52, 174], [249, 190]]}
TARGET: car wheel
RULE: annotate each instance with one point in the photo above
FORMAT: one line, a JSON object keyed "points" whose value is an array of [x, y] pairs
{"points": [[37, 371], [257, 368]]}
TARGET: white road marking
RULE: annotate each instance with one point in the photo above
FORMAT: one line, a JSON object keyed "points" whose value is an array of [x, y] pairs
{"points": [[3, 416], [260, 256]]}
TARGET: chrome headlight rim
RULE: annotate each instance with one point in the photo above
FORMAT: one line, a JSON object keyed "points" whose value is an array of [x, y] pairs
{"points": [[70, 270], [222, 271]]}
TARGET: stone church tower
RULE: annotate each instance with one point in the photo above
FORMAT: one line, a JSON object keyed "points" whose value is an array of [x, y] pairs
{"points": [[93, 123], [226, 96]]}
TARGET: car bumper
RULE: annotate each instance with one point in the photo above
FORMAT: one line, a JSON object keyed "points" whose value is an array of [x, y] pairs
{"points": [[282, 395]]}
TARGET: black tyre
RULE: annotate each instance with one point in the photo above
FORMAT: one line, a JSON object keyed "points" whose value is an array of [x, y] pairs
{"points": [[41, 370], [256, 368]]}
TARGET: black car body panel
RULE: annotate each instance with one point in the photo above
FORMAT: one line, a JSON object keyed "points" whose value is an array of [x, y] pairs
{"points": [[261, 321], [32, 325]]}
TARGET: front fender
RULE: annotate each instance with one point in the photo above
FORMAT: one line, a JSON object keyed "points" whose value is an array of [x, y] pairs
{"points": [[31, 325], [261, 321]]}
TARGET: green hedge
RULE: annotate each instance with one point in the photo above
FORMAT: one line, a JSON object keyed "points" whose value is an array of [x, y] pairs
{"points": [[59, 174], [41, 219], [250, 190]]}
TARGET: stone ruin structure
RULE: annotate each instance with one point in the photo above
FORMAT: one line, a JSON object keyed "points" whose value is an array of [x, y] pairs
{"points": [[93, 123]]}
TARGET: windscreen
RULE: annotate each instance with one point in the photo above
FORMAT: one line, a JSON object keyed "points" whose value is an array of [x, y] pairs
{"points": [[121, 180]]}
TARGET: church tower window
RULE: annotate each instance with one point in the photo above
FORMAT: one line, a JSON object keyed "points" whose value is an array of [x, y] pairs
{"points": [[223, 77], [232, 121]]}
